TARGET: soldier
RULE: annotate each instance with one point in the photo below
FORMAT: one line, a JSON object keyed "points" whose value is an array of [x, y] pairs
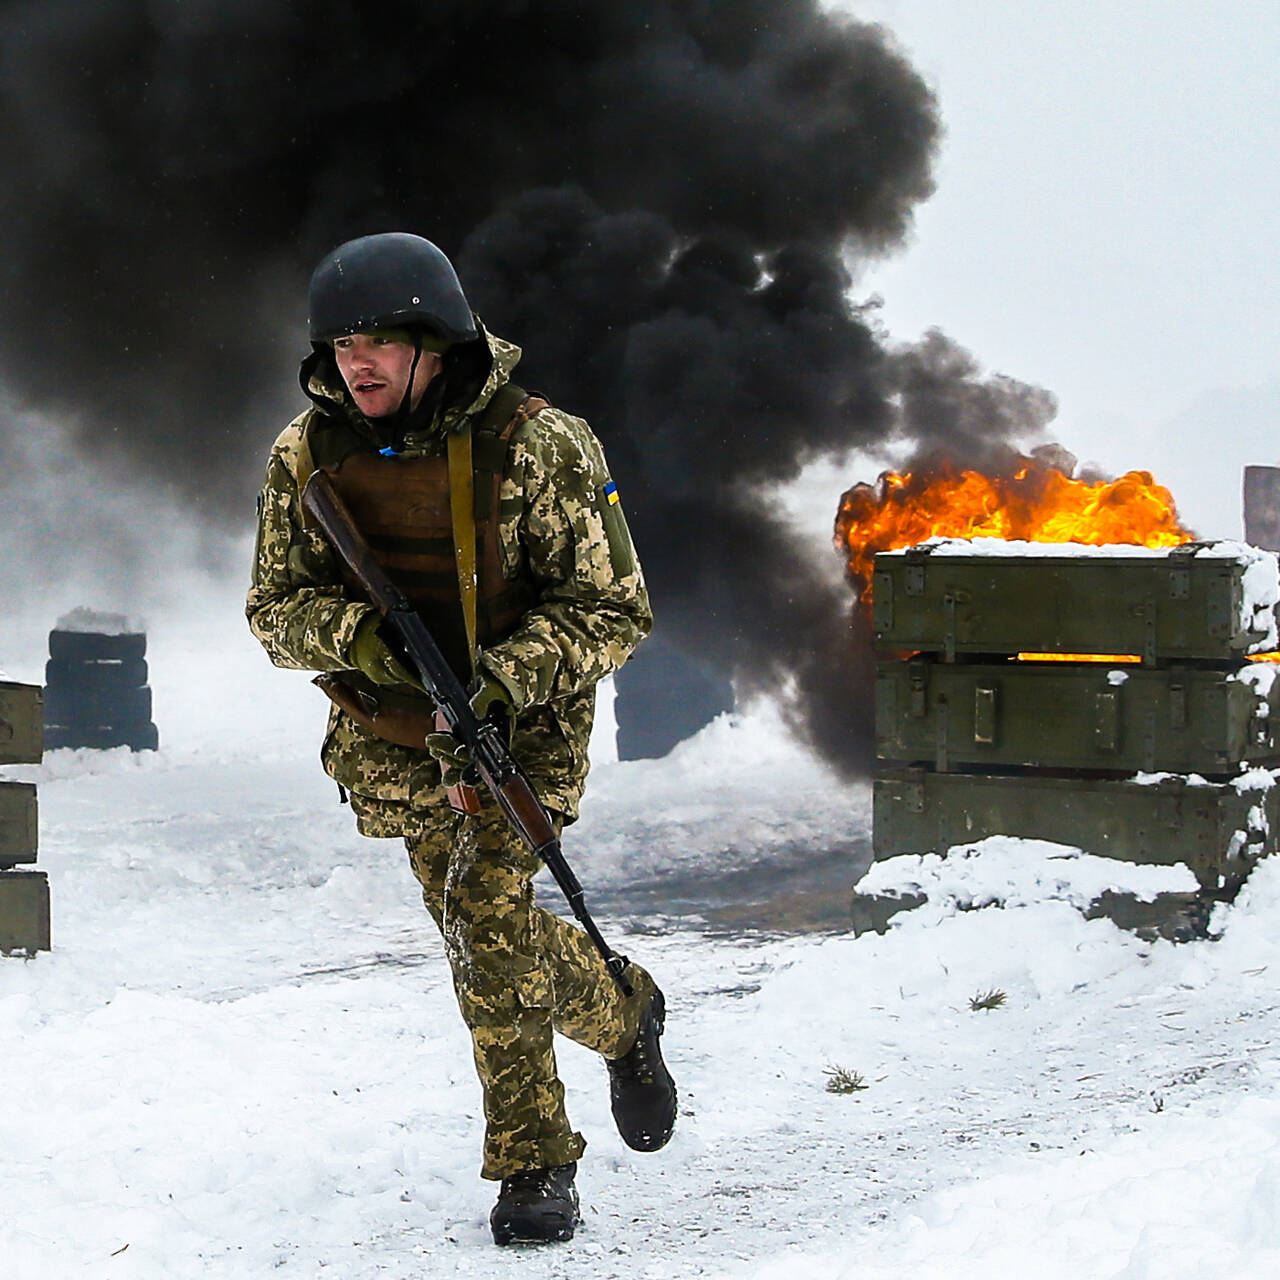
{"points": [[414, 418]]}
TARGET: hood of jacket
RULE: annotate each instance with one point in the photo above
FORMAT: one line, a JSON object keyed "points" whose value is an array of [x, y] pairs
{"points": [[472, 373]]}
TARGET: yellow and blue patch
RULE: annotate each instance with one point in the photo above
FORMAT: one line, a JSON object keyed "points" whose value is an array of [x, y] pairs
{"points": [[621, 555]]}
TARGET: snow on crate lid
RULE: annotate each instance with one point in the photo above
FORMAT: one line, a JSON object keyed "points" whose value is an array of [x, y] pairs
{"points": [[1224, 550], [101, 624]]}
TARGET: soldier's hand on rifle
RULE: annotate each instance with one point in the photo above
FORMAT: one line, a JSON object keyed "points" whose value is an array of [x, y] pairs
{"points": [[492, 703], [370, 653]]}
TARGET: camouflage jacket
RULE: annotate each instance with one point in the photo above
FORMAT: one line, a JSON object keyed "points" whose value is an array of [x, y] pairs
{"points": [[554, 512]]}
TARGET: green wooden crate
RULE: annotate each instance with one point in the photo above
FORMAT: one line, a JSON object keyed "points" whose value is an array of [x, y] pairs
{"points": [[18, 823], [24, 911], [1078, 715], [1203, 601], [1218, 829], [21, 723]]}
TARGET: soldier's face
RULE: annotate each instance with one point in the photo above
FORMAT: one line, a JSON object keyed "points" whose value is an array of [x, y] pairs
{"points": [[375, 366]]}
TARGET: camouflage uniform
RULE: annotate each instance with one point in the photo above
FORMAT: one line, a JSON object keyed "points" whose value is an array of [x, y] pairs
{"points": [[519, 972]]}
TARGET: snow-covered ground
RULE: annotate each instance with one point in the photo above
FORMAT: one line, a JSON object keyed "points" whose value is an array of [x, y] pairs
{"points": [[243, 1058]]}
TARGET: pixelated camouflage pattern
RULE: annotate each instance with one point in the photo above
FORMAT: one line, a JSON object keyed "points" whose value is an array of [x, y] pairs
{"points": [[593, 609], [520, 973]]}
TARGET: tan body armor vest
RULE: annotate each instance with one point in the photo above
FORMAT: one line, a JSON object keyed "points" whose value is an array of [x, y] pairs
{"points": [[402, 507]]}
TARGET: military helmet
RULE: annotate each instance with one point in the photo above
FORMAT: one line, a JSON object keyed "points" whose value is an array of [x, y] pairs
{"points": [[387, 281]]}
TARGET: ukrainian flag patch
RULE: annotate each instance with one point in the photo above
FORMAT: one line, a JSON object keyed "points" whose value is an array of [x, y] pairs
{"points": [[621, 556]]}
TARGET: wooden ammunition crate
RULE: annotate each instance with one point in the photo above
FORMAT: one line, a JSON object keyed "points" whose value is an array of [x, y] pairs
{"points": [[1201, 601], [18, 824], [21, 723], [1086, 715], [24, 911], [1218, 829]]}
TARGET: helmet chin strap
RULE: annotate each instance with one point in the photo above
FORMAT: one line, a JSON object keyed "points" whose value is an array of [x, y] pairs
{"points": [[400, 419]]}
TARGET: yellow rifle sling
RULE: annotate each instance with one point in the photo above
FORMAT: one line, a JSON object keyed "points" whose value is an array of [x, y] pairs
{"points": [[462, 509]]}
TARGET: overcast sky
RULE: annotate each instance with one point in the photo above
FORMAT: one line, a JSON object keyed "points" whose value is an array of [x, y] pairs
{"points": [[1107, 223]]}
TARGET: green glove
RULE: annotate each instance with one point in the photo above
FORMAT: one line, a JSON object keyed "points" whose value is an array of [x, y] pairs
{"points": [[368, 652], [490, 702]]}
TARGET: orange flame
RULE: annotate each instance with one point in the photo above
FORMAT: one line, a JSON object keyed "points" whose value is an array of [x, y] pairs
{"points": [[1034, 502]]}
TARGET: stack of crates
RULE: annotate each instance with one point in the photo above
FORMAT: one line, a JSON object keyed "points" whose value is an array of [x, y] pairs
{"points": [[24, 893], [1161, 752]]}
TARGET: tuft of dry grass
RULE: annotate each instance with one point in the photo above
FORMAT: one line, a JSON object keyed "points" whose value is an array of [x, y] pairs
{"points": [[842, 1080], [992, 999]]}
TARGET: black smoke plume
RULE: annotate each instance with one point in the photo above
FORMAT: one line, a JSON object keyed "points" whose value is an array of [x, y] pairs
{"points": [[662, 202]]}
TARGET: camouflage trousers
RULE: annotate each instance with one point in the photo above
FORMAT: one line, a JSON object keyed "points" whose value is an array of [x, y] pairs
{"points": [[520, 973]]}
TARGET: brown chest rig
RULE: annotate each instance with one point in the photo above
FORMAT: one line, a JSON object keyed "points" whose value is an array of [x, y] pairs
{"points": [[403, 508]]}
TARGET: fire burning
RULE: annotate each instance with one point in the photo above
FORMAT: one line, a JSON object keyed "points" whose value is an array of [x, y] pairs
{"points": [[1034, 501]]}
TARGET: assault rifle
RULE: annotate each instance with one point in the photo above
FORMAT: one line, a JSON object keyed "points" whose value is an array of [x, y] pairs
{"points": [[486, 743]]}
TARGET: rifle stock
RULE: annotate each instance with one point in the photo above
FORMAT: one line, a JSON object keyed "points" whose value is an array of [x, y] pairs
{"points": [[485, 742]]}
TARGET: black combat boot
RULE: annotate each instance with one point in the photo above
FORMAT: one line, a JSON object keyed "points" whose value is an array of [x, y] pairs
{"points": [[536, 1206], [641, 1089]]}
